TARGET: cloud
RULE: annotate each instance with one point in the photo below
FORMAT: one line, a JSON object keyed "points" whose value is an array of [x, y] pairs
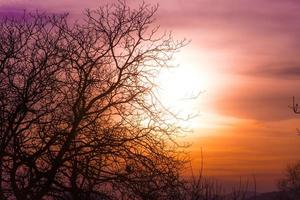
{"points": [[279, 71], [258, 98]]}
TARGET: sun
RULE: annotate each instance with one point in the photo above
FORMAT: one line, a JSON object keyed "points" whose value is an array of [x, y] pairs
{"points": [[180, 90], [190, 89]]}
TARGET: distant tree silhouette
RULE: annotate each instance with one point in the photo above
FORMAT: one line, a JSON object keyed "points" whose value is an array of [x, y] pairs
{"points": [[78, 115], [290, 184], [295, 108], [199, 187]]}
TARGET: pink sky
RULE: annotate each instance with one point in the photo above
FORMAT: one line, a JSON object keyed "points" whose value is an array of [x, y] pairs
{"points": [[251, 50]]}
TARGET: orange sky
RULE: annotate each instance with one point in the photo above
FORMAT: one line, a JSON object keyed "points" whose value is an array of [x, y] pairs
{"points": [[252, 50], [244, 55]]}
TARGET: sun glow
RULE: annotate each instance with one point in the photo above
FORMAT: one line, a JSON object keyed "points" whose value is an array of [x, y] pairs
{"points": [[181, 88]]}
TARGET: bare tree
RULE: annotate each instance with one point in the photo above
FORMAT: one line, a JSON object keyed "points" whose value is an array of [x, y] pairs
{"points": [[29, 62], [79, 117]]}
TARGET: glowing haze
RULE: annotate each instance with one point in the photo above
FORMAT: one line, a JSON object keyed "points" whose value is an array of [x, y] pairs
{"points": [[244, 59]]}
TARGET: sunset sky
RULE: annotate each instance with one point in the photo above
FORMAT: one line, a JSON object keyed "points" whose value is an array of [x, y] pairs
{"points": [[244, 58]]}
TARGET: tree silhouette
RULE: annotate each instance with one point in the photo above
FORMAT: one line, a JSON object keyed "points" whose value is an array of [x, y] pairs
{"points": [[79, 118], [295, 108], [290, 184]]}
